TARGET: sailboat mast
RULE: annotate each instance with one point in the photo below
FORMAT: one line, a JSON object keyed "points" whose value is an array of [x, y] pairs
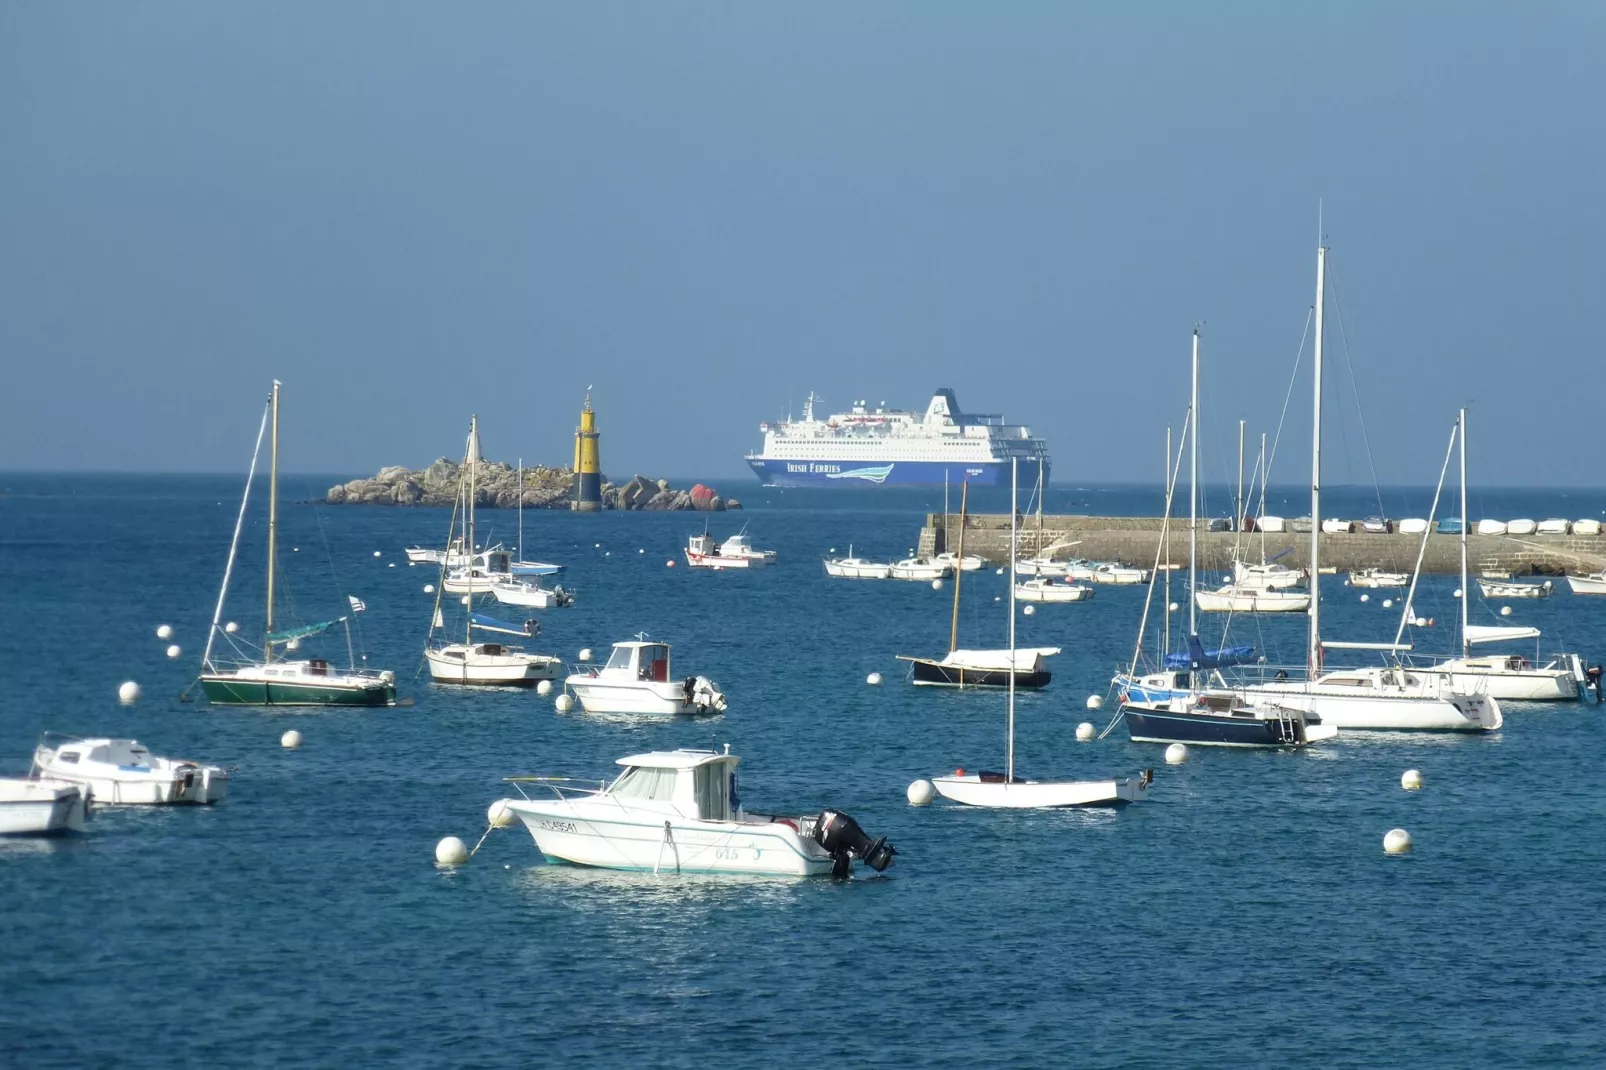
{"points": [[1014, 525], [468, 518], [1466, 594], [959, 566], [273, 520], [1260, 466], [1313, 657], [521, 508], [1238, 517], [1193, 493], [1165, 536]]}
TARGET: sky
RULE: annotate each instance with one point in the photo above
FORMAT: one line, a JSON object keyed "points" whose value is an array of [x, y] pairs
{"points": [[414, 212]]}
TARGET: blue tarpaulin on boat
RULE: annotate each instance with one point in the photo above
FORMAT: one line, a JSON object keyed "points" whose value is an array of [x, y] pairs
{"points": [[1195, 656], [491, 624]]}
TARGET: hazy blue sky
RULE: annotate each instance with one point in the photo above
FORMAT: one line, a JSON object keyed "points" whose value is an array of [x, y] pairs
{"points": [[412, 212]]}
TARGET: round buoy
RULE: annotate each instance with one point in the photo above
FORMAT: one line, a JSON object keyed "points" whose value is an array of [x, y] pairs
{"points": [[164, 631], [1457, 593], [451, 852], [378, 554], [1420, 622], [597, 546], [295, 549], [1397, 842], [1411, 780], [936, 585], [464, 600], [544, 687], [231, 627], [1029, 610], [564, 703], [128, 693], [429, 588], [1176, 754], [642, 550], [290, 740], [1388, 603], [500, 815], [391, 565], [921, 792], [670, 563], [607, 553], [1174, 607], [1095, 701], [174, 651], [1548, 585], [874, 679], [1505, 611], [1366, 598], [1085, 732], [585, 655]]}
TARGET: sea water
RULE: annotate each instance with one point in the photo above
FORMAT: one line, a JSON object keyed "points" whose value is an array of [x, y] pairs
{"points": [[1244, 915]]}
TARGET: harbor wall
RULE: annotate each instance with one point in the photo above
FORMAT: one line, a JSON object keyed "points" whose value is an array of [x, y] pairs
{"points": [[1133, 541]]}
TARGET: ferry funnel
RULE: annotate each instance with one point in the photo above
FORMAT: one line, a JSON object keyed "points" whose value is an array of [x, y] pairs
{"points": [[587, 463]]}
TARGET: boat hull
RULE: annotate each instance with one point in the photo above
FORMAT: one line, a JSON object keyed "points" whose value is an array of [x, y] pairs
{"points": [[1145, 725], [994, 790], [201, 789], [1403, 713], [42, 808], [229, 691], [1587, 584], [837, 474], [497, 671], [857, 572], [599, 695], [1540, 685], [935, 674], [1251, 601], [567, 833], [1058, 592]]}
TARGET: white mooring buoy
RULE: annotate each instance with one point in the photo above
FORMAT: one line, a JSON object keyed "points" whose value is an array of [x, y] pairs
{"points": [[1397, 842], [1095, 702], [231, 627], [451, 852], [874, 679], [1457, 592], [1174, 607], [429, 588], [1411, 780], [1029, 610], [1505, 611], [936, 585], [1388, 603], [921, 793], [174, 651], [500, 816], [1176, 754], [128, 693], [1085, 732], [164, 631], [1366, 598], [290, 740], [378, 553], [564, 703], [1000, 572], [544, 687], [585, 654], [670, 563]]}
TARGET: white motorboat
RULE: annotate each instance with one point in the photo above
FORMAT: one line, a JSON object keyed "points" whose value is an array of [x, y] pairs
{"points": [[735, 552], [856, 568], [31, 807], [1041, 566], [122, 771], [1377, 577], [1006, 790], [678, 812], [1044, 589], [1234, 599], [531, 595], [953, 562], [1269, 576], [918, 569], [489, 568], [490, 665], [637, 679], [1590, 583], [1507, 589], [1121, 575]]}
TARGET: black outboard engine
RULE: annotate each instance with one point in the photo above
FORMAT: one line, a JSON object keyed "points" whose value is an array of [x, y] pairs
{"points": [[1592, 682], [842, 837]]}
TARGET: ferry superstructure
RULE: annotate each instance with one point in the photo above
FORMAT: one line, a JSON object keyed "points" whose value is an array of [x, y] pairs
{"points": [[897, 447]]}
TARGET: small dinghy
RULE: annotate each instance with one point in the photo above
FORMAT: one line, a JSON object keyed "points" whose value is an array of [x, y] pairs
{"points": [[678, 812], [123, 772], [637, 679], [31, 807]]}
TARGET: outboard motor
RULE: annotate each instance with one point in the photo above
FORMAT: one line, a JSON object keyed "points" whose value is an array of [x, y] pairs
{"points": [[704, 694], [844, 840], [1592, 682]]}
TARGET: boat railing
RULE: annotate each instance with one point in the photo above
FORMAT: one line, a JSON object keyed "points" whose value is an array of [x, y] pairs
{"points": [[561, 787]]}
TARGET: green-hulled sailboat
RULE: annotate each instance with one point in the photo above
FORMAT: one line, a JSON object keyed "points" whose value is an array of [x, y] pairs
{"points": [[280, 681]]}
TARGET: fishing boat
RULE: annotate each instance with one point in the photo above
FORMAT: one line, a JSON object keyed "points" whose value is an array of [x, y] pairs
{"points": [[1006, 790], [1587, 583], [735, 552], [978, 668], [31, 807], [123, 772], [274, 680], [481, 662], [1044, 589], [1378, 577], [637, 679], [678, 812], [856, 568]]}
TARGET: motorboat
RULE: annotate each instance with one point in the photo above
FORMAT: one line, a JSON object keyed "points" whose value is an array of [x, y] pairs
{"points": [[1491, 527], [32, 807], [678, 812], [636, 679], [531, 595], [1041, 566], [1509, 589], [490, 568], [1377, 577], [1589, 583], [735, 552], [1269, 576], [856, 568], [1044, 589], [955, 563], [122, 771], [1232, 598], [1587, 526], [918, 569], [983, 668], [456, 555], [307, 682], [1120, 575]]}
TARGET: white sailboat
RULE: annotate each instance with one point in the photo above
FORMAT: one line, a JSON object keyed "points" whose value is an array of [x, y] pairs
{"points": [[521, 567], [1005, 790], [856, 568]]}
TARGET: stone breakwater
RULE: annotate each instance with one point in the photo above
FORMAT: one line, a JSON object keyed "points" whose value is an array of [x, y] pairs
{"points": [[1134, 540], [497, 487]]}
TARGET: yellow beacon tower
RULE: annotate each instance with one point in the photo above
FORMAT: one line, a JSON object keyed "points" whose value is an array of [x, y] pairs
{"points": [[587, 465]]}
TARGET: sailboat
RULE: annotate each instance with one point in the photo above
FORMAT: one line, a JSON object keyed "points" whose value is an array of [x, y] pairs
{"points": [[1390, 698], [1005, 790], [521, 567], [1172, 706], [281, 681], [978, 668], [508, 588], [488, 662]]}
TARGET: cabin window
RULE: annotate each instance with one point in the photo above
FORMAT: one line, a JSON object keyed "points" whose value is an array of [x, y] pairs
{"points": [[270, 672], [713, 792], [655, 663], [620, 658], [492, 650], [642, 782], [68, 756]]}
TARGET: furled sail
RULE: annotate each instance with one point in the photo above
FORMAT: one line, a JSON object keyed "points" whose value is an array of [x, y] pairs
{"points": [[1494, 633], [490, 624]]}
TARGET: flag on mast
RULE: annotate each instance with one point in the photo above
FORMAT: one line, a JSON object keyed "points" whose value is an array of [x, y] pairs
{"points": [[357, 605]]}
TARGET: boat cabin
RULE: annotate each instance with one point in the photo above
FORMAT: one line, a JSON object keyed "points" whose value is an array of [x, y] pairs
{"points": [[696, 784], [639, 660], [123, 753], [702, 545]]}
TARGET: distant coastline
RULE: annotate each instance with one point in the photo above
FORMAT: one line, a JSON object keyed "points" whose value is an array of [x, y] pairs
{"points": [[497, 486]]}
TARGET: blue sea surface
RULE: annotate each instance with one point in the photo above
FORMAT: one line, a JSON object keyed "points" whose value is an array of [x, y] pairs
{"points": [[1245, 915]]}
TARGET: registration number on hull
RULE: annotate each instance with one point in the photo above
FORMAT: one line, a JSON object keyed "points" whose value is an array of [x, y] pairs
{"points": [[555, 826]]}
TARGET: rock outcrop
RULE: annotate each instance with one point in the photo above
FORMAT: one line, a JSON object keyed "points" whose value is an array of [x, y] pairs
{"points": [[497, 487]]}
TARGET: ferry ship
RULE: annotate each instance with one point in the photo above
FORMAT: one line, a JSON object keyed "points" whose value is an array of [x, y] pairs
{"points": [[896, 447]]}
